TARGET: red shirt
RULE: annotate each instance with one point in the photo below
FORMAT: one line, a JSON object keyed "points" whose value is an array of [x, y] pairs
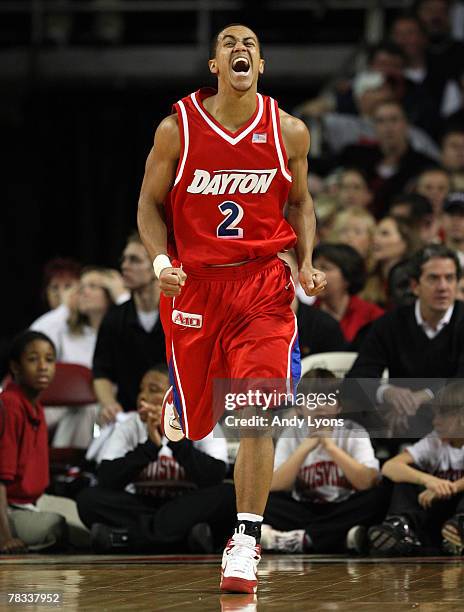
{"points": [[226, 205], [23, 446], [359, 312]]}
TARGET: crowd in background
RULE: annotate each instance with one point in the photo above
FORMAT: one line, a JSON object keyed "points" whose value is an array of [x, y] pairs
{"points": [[387, 178]]}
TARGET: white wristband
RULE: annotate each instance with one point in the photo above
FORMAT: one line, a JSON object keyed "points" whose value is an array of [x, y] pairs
{"points": [[160, 263]]}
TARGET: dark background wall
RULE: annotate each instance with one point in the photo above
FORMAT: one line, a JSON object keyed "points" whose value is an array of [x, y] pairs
{"points": [[78, 114]]}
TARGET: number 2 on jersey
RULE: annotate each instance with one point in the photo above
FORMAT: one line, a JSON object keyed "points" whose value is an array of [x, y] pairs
{"points": [[234, 214]]}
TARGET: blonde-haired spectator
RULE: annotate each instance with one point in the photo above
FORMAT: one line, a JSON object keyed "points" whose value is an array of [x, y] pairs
{"points": [[355, 227]]}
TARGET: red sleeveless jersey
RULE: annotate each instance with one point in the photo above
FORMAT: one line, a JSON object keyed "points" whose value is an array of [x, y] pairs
{"points": [[226, 204]]}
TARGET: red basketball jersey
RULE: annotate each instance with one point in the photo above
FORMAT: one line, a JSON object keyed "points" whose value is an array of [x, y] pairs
{"points": [[230, 189]]}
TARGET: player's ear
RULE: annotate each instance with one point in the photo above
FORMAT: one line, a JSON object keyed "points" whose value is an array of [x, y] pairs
{"points": [[261, 66], [414, 287], [212, 66]]}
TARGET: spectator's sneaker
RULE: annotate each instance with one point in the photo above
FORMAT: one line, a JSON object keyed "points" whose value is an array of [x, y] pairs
{"points": [[200, 539], [169, 420], [356, 540], [394, 537], [282, 541], [453, 535], [240, 563], [106, 539]]}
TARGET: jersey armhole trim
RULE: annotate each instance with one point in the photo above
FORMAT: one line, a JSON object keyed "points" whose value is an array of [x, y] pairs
{"points": [[279, 142], [184, 140]]}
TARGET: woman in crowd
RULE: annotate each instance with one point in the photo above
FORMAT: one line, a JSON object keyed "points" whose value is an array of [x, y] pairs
{"points": [[355, 226], [346, 273], [353, 189], [393, 240], [73, 327], [60, 276]]}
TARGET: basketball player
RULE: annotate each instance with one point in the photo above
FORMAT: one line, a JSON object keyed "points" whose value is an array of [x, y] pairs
{"points": [[210, 215]]}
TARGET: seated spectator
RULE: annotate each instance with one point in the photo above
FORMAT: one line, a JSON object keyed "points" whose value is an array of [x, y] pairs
{"points": [[453, 223], [427, 503], [445, 55], [353, 189], [409, 34], [24, 467], [399, 291], [130, 338], [327, 209], [144, 499], [460, 293], [318, 332], [455, 121], [417, 211], [355, 226], [329, 478], [340, 130], [392, 162], [60, 276], [73, 327], [434, 184], [422, 341], [393, 240], [346, 274], [452, 159], [387, 60]]}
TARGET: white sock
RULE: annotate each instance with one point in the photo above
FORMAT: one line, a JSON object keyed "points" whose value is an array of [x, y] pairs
{"points": [[247, 516]]}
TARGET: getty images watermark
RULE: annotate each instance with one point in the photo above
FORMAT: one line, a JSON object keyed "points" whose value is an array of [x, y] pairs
{"points": [[266, 407], [402, 408], [267, 401]]}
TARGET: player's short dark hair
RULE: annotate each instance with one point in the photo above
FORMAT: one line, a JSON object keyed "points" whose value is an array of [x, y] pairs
{"points": [[349, 261], [20, 343], [215, 39], [433, 251]]}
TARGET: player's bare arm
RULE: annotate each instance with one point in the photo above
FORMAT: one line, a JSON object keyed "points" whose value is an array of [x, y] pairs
{"points": [[300, 204], [160, 172]]}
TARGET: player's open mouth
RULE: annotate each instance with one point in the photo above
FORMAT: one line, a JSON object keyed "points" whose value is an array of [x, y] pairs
{"points": [[241, 65]]}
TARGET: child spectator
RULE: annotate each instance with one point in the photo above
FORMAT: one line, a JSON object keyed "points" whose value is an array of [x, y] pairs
{"points": [[24, 472], [428, 496], [146, 498], [331, 474], [346, 274]]}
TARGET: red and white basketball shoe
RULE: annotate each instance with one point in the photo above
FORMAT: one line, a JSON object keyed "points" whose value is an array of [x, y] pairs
{"points": [[170, 424], [240, 564]]}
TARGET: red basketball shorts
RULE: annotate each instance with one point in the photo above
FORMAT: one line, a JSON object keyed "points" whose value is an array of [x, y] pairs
{"points": [[228, 323]]}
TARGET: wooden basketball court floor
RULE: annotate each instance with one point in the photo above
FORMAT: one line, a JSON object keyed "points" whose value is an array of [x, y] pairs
{"points": [[287, 583]]}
